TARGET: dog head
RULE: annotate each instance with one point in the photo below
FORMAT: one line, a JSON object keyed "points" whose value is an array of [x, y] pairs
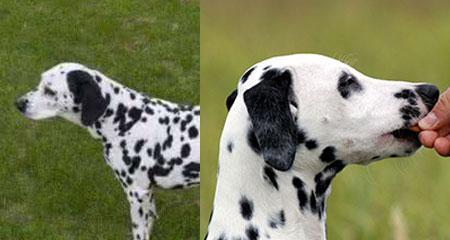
{"points": [[69, 90], [308, 102]]}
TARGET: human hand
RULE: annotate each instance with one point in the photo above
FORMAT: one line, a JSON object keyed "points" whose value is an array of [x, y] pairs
{"points": [[436, 126]]}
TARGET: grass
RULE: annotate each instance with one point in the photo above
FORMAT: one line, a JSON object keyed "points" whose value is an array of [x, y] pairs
{"points": [[392, 199], [53, 180]]}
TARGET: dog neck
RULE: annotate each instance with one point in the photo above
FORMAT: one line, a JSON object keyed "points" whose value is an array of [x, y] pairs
{"points": [[252, 198]]}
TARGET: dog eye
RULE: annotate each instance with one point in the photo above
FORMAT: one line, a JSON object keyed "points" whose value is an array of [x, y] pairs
{"points": [[48, 91]]}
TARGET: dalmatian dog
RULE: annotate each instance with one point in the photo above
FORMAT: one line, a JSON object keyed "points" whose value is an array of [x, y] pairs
{"points": [[147, 141], [294, 122]]}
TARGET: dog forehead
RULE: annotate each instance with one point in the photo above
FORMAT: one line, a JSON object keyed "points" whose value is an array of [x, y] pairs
{"points": [[302, 64], [58, 72], [63, 68]]}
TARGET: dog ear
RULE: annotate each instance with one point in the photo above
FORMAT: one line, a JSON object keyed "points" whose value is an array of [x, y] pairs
{"points": [[87, 92], [274, 128], [231, 98]]}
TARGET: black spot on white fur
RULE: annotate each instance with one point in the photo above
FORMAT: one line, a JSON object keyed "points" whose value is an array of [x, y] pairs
{"points": [[193, 132], [328, 154], [191, 170], [252, 232], [230, 147], [253, 142], [270, 176], [185, 150], [230, 99], [323, 179], [277, 220], [247, 74], [311, 144], [246, 208], [301, 192]]}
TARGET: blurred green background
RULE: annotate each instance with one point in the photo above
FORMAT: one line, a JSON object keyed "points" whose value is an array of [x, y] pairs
{"points": [[54, 183], [408, 40]]}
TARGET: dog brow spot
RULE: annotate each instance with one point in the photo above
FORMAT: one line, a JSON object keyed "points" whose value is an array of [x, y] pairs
{"points": [[348, 84]]}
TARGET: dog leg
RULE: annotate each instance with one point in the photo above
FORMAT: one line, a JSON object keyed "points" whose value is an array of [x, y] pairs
{"points": [[142, 211]]}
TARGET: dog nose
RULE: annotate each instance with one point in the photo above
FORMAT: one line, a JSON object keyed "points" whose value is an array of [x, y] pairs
{"points": [[429, 94], [21, 104]]}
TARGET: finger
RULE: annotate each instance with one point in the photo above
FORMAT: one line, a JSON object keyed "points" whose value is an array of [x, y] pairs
{"points": [[444, 131], [427, 138], [442, 146], [439, 115]]}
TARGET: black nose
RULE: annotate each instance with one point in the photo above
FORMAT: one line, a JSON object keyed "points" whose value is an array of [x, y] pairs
{"points": [[429, 94], [21, 104]]}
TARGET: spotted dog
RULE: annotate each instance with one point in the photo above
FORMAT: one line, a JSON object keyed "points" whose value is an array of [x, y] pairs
{"points": [[147, 141], [294, 122]]}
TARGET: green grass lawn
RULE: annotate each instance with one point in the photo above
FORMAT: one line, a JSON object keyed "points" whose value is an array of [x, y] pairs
{"points": [[408, 40], [54, 183]]}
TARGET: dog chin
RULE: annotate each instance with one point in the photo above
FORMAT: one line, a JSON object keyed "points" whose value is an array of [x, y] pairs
{"points": [[37, 116], [408, 149]]}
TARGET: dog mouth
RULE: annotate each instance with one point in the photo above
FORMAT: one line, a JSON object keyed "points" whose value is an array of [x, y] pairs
{"points": [[405, 134]]}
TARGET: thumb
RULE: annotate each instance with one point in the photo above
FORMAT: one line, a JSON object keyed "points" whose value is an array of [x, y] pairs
{"points": [[439, 115]]}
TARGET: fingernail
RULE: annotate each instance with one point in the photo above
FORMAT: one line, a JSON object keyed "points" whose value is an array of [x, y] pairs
{"points": [[429, 121]]}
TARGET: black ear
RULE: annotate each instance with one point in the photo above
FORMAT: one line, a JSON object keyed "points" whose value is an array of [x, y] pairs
{"points": [[274, 128], [231, 98], [87, 92]]}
